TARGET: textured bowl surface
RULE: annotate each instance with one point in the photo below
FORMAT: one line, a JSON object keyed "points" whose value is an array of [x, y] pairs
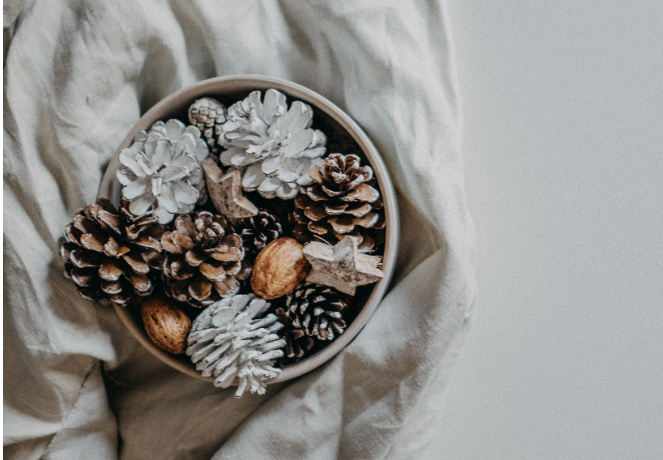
{"points": [[235, 88]]}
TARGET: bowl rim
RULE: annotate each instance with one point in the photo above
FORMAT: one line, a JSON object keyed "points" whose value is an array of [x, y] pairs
{"points": [[110, 188]]}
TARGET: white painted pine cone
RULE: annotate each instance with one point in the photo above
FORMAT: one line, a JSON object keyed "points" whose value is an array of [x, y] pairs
{"points": [[161, 171], [274, 144], [227, 341]]}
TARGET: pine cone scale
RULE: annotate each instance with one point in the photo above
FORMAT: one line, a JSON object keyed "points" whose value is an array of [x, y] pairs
{"points": [[110, 220], [200, 288], [72, 234], [110, 271], [359, 210], [212, 272], [362, 192], [182, 241], [233, 255], [328, 191], [141, 283], [90, 242], [226, 286], [316, 212], [195, 257], [341, 224], [317, 193], [111, 287], [318, 228], [137, 265], [79, 223], [83, 259], [82, 277]]}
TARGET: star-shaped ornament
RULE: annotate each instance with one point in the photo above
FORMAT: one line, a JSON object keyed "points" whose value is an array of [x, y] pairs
{"points": [[225, 191], [341, 266]]}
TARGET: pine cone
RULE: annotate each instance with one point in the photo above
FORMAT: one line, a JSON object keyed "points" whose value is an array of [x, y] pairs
{"points": [[258, 231], [297, 342], [206, 114], [314, 312], [161, 171], [202, 264], [227, 341], [104, 251], [275, 144], [145, 232], [340, 202]]}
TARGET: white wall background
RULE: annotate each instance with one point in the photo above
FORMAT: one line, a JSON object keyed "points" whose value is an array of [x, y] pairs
{"points": [[563, 104]]}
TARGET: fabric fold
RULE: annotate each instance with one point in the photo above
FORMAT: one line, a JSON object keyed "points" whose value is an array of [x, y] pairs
{"points": [[78, 75]]}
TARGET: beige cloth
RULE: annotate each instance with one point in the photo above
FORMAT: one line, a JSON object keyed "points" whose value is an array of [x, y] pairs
{"points": [[78, 75]]}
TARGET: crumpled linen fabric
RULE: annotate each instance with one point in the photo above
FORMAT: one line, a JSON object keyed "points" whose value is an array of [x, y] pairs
{"points": [[77, 75]]}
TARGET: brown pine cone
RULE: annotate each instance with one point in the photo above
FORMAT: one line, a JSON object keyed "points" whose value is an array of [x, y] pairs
{"points": [[317, 310], [297, 342], [103, 260], [206, 114], [258, 231], [201, 263], [340, 202]]}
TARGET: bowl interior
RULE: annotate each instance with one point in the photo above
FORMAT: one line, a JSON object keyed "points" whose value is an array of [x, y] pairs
{"points": [[344, 136]]}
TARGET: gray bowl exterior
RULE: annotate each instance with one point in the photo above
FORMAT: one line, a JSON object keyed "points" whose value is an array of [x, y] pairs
{"points": [[111, 189]]}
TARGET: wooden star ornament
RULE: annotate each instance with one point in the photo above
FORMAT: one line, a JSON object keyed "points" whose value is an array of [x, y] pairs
{"points": [[341, 266], [225, 191]]}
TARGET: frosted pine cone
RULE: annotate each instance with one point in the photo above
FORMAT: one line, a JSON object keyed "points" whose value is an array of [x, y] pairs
{"points": [[206, 114], [161, 171], [275, 144], [229, 342], [201, 262], [103, 260], [341, 202]]}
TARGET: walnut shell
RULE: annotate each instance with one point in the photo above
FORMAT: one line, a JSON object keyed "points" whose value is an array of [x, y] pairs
{"points": [[165, 324], [279, 268]]}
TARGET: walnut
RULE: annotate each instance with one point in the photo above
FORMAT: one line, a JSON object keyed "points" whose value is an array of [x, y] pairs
{"points": [[279, 268], [165, 324]]}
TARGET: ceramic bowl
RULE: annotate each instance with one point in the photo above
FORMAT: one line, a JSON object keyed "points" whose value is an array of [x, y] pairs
{"points": [[228, 90]]}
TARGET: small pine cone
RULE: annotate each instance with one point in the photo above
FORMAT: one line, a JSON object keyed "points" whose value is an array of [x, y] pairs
{"points": [[103, 260], [206, 114], [258, 231], [340, 202], [202, 263], [317, 310], [297, 342]]}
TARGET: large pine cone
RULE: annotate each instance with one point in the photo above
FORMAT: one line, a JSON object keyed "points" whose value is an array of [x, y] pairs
{"points": [[202, 263], [311, 312], [258, 231], [104, 253], [273, 144], [161, 171], [340, 202]]}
